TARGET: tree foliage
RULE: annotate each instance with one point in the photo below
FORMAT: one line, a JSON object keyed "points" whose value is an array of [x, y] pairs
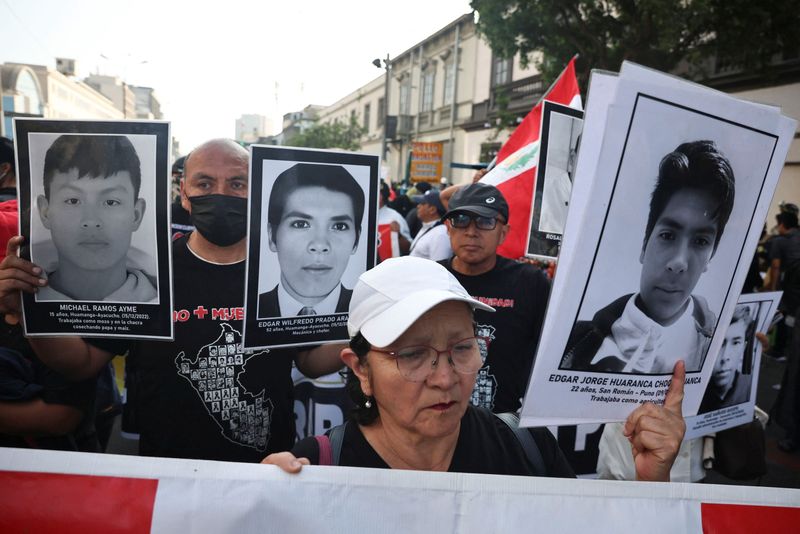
{"points": [[334, 134], [656, 33]]}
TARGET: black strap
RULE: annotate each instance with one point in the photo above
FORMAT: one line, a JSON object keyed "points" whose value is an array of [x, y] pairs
{"points": [[526, 440], [336, 436]]}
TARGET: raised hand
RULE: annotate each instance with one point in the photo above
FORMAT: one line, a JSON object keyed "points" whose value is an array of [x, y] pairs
{"points": [[655, 432]]}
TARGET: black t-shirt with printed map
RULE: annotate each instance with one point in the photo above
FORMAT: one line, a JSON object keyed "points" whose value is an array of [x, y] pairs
{"points": [[201, 396], [518, 292]]}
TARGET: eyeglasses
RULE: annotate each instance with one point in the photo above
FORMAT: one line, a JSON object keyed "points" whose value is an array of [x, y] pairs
{"points": [[417, 362], [462, 220]]}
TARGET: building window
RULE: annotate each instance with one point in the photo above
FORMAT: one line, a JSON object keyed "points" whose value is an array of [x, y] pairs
{"points": [[427, 90], [366, 116], [501, 71], [449, 82], [405, 97], [381, 111]]}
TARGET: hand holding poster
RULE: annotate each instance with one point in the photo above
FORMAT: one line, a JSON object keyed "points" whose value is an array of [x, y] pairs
{"points": [[311, 233], [654, 268], [94, 199]]}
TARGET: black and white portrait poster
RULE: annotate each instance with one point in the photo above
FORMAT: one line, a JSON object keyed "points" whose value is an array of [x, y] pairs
{"points": [[94, 199], [730, 396], [311, 233], [671, 216], [561, 135]]}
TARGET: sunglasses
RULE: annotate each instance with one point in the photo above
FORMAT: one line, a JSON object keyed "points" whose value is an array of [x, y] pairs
{"points": [[463, 220]]}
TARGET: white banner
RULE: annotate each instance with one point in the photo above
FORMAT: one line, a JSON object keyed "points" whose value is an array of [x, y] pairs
{"points": [[49, 491]]}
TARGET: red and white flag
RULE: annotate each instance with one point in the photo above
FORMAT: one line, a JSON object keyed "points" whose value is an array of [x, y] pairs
{"points": [[515, 172], [388, 242]]}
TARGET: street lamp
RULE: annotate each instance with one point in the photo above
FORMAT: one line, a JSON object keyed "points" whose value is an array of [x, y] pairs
{"points": [[387, 64]]}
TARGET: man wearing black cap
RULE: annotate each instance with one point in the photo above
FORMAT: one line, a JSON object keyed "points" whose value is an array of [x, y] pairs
{"points": [[432, 241], [477, 222]]}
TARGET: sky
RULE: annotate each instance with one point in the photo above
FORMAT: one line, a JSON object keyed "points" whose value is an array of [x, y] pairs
{"points": [[211, 62]]}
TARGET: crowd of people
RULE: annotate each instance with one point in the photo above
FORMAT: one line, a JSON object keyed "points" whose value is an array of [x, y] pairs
{"points": [[450, 295]]}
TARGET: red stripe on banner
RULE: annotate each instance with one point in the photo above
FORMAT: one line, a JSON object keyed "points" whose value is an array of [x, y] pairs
{"points": [[58, 503], [732, 518]]}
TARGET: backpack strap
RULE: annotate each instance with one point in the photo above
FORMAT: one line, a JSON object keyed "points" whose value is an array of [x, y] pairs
{"points": [[526, 440], [336, 436], [330, 445], [324, 445]]}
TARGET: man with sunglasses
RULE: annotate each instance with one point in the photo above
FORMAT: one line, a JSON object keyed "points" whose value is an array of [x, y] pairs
{"points": [[477, 223]]}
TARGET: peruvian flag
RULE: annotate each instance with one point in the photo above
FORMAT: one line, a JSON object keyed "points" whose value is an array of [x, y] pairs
{"points": [[518, 158]]}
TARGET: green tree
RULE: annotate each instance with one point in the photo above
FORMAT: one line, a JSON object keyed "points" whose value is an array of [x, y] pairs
{"points": [[656, 33], [334, 134]]}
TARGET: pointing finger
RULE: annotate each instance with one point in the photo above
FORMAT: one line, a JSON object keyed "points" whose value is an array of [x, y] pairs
{"points": [[674, 399]]}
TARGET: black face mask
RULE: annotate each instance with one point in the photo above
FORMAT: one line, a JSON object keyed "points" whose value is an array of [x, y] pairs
{"points": [[221, 219]]}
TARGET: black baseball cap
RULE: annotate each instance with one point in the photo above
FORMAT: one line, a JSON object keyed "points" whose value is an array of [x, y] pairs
{"points": [[481, 199]]}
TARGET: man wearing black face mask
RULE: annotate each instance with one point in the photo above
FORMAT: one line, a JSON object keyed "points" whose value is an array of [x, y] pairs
{"points": [[202, 395]]}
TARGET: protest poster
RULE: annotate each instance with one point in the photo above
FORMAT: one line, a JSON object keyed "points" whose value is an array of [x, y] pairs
{"points": [[311, 232], [94, 201], [561, 134], [730, 396], [639, 289]]}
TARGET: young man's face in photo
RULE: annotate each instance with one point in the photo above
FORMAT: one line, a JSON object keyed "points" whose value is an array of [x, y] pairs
{"points": [[676, 254], [731, 356], [314, 241], [91, 219]]}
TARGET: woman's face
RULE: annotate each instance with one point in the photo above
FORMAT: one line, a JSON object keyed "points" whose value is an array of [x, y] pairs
{"points": [[434, 407]]}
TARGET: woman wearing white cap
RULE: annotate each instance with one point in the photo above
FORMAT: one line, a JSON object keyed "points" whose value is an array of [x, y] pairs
{"points": [[413, 358]]}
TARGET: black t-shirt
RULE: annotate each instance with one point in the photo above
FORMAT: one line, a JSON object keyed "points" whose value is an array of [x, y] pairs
{"points": [[201, 396], [485, 445], [518, 292]]}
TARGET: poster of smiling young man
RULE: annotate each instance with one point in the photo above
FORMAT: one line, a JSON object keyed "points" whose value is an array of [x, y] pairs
{"points": [[311, 232], [94, 198], [678, 196], [562, 127], [730, 397]]}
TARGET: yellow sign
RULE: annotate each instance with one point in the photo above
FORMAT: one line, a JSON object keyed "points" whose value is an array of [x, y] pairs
{"points": [[426, 162]]}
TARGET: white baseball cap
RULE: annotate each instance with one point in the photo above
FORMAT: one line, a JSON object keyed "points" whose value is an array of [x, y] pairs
{"points": [[390, 297]]}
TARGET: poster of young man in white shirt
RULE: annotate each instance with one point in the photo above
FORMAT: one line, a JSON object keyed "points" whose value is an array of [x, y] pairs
{"points": [[94, 199], [311, 233], [558, 153], [651, 261]]}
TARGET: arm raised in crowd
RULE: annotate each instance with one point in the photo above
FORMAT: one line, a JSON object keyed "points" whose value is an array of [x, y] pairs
{"points": [[320, 360], [70, 356]]}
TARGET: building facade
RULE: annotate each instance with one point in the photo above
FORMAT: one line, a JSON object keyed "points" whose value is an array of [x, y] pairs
{"points": [[39, 91], [449, 89], [251, 127]]}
